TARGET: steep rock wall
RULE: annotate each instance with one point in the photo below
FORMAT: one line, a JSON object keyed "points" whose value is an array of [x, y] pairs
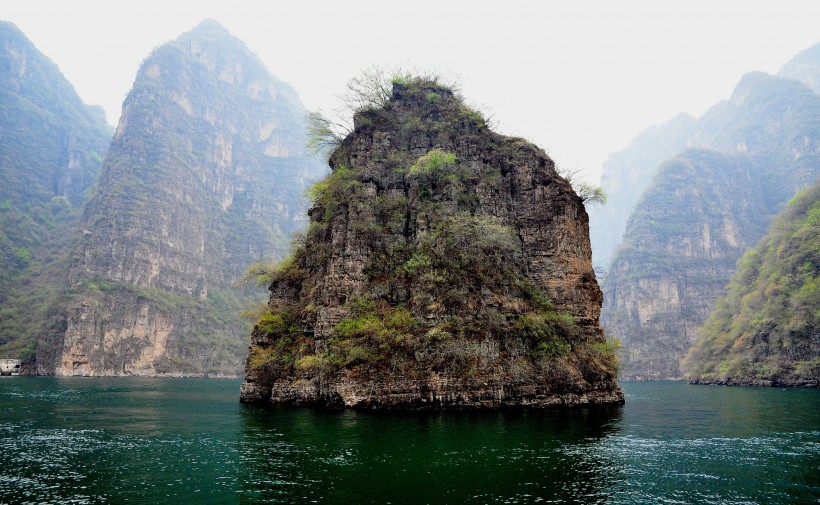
{"points": [[766, 330], [51, 148], [625, 176], [684, 238], [204, 176], [703, 210], [445, 266]]}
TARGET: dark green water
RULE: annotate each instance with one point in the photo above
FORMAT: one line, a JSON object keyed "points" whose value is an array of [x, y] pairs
{"points": [[189, 441]]}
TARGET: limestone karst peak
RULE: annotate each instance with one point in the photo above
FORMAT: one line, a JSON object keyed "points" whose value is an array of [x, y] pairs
{"points": [[214, 46], [210, 30], [409, 102], [51, 145], [204, 176], [431, 275]]}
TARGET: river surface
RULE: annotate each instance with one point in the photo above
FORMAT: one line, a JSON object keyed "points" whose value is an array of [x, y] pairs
{"points": [[136, 440]]}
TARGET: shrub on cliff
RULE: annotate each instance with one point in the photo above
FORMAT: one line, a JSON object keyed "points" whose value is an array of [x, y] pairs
{"points": [[433, 250]]}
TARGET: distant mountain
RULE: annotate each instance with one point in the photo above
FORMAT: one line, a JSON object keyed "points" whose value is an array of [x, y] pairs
{"points": [[774, 120], [51, 149], [205, 175], [626, 175], [804, 68], [704, 208], [766, 329]]}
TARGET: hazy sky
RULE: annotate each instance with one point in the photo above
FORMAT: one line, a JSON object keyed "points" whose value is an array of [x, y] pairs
{"points": [[579, 78]]}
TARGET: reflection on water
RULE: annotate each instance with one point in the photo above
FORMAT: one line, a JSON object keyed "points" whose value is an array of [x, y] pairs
{"points": [[458, 457], [118, 440]]}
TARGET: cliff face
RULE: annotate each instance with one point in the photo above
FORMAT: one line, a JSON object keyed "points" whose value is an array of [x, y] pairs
{"points": [[704, 209], [51, 147], [629, 172], [445, 266], [766, 329], [681, 246], [204, 176], [626, 174]]}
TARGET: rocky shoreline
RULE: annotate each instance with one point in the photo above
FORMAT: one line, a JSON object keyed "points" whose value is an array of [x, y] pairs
{"points": [[440, 393], [755, 383]]}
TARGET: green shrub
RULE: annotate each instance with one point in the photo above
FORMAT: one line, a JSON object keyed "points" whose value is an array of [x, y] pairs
{"points": [[435, 160], [548, 332]]}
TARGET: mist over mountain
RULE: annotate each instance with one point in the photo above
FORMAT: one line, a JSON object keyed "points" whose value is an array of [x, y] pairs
{"points": [[804, 68], [121, 256], [748, 155], [51, 149], [205, 175], [626, 175]]}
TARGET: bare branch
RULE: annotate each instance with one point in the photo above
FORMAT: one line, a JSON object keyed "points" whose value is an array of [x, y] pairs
{"points": [[324, 135], [589, 193]]}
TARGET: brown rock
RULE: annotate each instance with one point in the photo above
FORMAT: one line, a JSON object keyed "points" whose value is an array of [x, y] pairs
{"points": [[445, 266]]}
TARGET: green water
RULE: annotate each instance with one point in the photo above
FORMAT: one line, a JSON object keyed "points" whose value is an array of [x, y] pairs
{"points": [[122, 440]]}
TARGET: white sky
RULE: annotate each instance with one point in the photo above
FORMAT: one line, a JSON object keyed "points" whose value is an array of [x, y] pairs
{"points": [[579, 78]]}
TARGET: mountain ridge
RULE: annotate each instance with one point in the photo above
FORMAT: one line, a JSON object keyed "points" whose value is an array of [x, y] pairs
{"points": [[204, 176], [768, 135], [766, 329], [51, 149]]}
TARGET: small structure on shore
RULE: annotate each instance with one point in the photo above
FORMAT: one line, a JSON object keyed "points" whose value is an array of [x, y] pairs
{"points": [[10, 366]]}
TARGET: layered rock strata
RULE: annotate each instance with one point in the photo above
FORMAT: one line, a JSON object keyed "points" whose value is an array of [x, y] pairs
{"points": [[445, 266], [205, 175], [705, 207]]}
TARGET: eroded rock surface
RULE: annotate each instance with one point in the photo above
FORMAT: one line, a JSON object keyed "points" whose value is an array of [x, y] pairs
{"points": [[445, 266], [205, 175], [704, 209], [51, 149]]}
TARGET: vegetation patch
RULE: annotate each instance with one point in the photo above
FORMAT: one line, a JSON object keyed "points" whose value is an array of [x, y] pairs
{"points": [[766, 326], [441, 283]]}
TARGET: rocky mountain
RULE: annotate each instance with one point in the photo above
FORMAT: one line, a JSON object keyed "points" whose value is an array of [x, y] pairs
{"points": [[626, 174], [804, 68], [445, 266], [766, 329], [51, 148], [682, 244], [703, 210], [205, 175], [629, 172]]}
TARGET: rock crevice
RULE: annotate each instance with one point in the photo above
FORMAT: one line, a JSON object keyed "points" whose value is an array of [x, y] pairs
{"points": [[445, 266]]}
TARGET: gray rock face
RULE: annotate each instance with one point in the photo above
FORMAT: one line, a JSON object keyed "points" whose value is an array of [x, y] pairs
{"points": [[766, 330], [703, 210], [682, 244], [431, 254], [626, 175], [204, 176]]}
